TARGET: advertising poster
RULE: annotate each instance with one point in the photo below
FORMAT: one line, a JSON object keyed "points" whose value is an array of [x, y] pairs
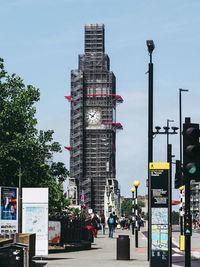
{"points": [[8, 216], [54, 232], [159, 173]]}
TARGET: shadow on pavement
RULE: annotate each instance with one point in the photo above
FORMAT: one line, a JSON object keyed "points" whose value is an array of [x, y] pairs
{"points": [[51, 259], [37, 264]]}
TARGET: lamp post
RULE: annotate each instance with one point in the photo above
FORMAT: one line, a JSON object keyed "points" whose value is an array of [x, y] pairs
{"points": [[108, 198], [20, 202], [133, 209], [150, 46], [180, 121], [168, 121], [136, 184]]}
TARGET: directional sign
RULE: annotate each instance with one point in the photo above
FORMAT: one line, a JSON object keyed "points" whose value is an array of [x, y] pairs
{"points": [[159, 219]]}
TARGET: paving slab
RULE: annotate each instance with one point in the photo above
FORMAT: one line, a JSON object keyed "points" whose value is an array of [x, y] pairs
{"points": [[103, 253]]}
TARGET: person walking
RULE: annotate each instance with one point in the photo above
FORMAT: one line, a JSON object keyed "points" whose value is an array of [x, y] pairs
{"points": [[115, 220], [111, 222], [95, 223], [102, 222]]}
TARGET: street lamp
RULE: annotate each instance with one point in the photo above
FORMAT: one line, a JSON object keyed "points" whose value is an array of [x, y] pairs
{"points": [[109, 195], [150, 46], [180, 120], [133, 209], [136, 184], [168, 121], [167, 132]]}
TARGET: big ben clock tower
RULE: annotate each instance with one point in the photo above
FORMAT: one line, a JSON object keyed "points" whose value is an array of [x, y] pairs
{"points": [[93, 122]]}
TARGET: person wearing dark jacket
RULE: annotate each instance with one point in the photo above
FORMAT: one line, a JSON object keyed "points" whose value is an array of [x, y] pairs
{"points": [[95, 223], [102, 221]]}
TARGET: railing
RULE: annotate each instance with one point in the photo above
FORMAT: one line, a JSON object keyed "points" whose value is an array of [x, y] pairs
{"points": [[73, 230]]}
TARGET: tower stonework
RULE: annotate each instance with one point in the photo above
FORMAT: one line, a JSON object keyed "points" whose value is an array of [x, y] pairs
{"points": [[93, 122]]}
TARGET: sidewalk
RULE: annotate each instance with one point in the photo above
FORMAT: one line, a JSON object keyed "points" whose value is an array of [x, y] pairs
{"points": [[103, 253]]}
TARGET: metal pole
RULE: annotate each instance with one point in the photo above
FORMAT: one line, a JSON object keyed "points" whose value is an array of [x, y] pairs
{"points": [[133, 213], [180, 124], [167, 139], [20, 202], [150, 146], [168, 121], [136, 222], [169, 159], [187, 237], [181, 212], [180, 136]]}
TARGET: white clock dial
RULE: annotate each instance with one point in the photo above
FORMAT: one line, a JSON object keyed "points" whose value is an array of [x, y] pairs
{"points": [[93, 116]]}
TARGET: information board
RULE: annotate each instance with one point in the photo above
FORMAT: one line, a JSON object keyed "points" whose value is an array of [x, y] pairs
{"points": [[35, 217], [159, 203]]}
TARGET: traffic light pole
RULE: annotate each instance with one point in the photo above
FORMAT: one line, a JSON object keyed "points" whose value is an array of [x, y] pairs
{"points": [[181, 158], [181, 214], [187, 237], [169, 159]]}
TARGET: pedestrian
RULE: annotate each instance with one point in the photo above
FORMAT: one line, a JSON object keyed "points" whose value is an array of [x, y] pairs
{"points": [[111, 222], [102, 222], [138, 222], [115, 221], [95, 223]]}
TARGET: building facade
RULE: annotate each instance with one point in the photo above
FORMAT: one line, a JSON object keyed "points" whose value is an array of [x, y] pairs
{"points": [[93, 122]]}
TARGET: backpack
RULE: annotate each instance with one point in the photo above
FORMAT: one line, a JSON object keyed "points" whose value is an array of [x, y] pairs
{"points": [[111, 220]]}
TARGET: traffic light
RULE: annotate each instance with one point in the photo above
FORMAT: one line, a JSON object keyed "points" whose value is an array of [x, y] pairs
{"points": [[188, 224], [179, 179], [191, 150]]}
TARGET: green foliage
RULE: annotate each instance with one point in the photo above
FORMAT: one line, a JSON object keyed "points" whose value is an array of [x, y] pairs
{"points": [[126, 207], [75, 212], [23, 147]]}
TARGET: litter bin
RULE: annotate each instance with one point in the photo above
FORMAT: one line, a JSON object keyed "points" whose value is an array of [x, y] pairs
{"points": [[123, 247], [14, 255]]}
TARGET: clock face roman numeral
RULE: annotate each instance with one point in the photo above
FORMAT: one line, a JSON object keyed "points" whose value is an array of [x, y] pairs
{"points": [[93, 116]]}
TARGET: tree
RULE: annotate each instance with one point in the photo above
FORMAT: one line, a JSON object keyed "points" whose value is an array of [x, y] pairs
{"points": [[23, 149], [126, 207]]}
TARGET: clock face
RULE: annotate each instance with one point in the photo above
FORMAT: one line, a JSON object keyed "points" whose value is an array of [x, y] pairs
{"points": [[93, 116]]}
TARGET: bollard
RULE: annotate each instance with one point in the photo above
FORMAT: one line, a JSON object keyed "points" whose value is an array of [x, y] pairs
{"points": [[182, 242], [123, 247], [133, 226], [136, 237]]}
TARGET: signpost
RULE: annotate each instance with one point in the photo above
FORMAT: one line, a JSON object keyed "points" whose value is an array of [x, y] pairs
{"points": [[160, 253]]}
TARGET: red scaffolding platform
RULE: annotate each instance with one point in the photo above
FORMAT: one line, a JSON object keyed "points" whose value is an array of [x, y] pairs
{"points": [[115, 125]]}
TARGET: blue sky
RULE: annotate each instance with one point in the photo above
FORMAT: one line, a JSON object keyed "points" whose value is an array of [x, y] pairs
{"points": [[41, 40]]}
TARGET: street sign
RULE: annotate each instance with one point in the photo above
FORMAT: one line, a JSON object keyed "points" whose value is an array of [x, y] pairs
{"points": [[159, 218]]}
